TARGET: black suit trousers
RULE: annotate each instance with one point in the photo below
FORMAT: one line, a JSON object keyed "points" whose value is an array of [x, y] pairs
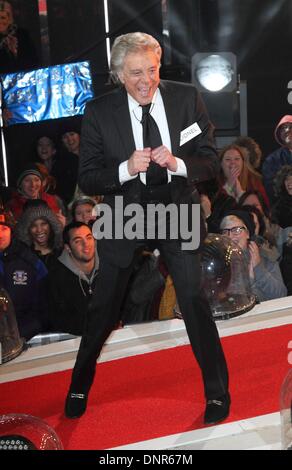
{"points": [[104, 314]]}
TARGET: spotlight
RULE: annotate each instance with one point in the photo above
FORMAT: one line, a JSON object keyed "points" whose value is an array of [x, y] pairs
{"points": [[214, 71], [215, 76]]}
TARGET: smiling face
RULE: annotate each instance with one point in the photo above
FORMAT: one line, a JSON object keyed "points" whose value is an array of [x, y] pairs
{"points": [[234, 228], [231, 160], [82, 244], [140, 75], [31, 186], [71, 140], [40, 232]]}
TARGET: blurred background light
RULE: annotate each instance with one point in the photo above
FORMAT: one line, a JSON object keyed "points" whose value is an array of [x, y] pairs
{"points": [[214, 71]]}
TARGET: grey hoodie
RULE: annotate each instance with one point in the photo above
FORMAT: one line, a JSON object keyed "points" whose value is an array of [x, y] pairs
{"points": [[68, 261]]}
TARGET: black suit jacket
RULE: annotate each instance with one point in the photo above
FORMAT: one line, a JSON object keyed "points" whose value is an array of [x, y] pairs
{"points": [[107, 140]]}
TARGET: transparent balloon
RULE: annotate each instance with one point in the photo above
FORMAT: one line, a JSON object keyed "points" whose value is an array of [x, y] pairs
{"points": [[10, 341], [225, 277], [26, 432]]}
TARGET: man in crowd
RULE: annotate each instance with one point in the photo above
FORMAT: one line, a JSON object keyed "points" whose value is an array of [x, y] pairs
{"points": [[280, 157], [72, 279]]}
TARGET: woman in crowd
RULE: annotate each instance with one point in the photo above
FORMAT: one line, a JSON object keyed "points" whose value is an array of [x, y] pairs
{"points": [[24, 276], [236, 177], [40, 229], [265, 275], [252, 152]]}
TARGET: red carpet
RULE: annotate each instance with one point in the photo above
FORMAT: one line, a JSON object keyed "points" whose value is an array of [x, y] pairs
{"points": [[156, 394]]}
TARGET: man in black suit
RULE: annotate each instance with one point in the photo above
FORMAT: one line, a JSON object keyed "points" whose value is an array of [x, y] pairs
{"points": [[147, 155]]}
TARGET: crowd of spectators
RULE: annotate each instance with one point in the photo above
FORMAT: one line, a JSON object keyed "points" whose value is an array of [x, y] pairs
{"points": [[46, 243], [49, 248]]}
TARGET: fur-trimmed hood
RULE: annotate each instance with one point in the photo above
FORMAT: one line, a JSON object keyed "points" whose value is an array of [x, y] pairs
{"points": [[30, 215]]}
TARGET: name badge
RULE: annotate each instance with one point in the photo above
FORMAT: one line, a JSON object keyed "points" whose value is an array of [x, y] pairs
{"points": [[189, 133]]}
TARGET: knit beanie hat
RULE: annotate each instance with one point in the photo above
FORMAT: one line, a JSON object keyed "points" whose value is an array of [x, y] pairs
{"points": [[246, 218], [39, 210], [28, 169]]}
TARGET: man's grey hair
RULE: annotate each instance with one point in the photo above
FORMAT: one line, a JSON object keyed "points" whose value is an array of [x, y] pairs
{"points": [[131, 42]]}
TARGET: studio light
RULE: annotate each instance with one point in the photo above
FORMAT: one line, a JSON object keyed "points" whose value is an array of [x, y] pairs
{"points": [[214, 71], [215, 76]]}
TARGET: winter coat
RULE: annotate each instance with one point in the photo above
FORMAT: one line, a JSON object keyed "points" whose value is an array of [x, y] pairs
{"points": [[70, 291], [273, 162], [24, 277], [268, 282], [18, 200]]}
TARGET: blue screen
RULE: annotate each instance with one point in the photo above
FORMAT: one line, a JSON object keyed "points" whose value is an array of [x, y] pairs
{"points": [[49, 93]]}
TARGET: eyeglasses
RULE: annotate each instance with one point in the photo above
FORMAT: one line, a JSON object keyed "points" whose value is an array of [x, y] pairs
{"points": [[234, 230], [286, 128]]}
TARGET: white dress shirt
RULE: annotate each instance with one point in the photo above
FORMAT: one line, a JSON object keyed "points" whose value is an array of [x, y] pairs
{"points": [[157, 111]]}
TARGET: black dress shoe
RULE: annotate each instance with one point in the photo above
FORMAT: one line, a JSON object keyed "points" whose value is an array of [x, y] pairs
{"points": [[217, 410], [75, 405]]}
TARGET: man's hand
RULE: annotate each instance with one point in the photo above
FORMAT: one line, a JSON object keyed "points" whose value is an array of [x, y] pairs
{"points": [[163, 157], [139, 161]]}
